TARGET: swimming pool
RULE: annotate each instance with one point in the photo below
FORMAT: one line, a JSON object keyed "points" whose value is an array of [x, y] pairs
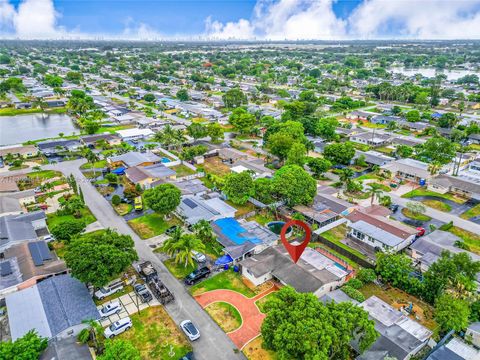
{"points": [[340, 266], [165, 160]]}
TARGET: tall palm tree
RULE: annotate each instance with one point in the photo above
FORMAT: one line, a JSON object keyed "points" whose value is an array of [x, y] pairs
{"points": [[374, 191], [203, 230], [182, 250], [434, 167], [346, 176]]}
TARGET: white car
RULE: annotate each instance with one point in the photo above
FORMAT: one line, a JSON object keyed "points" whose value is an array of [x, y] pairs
{"points": [[190, 330], [199, 257], [118, 327], [110, 309], [108, 290]]}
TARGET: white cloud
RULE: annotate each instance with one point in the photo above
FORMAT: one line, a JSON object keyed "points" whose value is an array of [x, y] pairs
{"points": [[427, 19], [306, 19], [6, 15], [36, 19]]}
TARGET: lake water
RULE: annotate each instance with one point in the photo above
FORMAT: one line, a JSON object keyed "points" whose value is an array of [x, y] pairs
{"points": [[21, 128], [431, 72]]}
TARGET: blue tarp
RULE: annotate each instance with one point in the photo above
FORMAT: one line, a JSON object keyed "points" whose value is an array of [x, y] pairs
{"points": [[119, 171], [225, 259]]}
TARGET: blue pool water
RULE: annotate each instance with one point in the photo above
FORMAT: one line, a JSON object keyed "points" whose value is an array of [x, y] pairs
{"points": [[340, 266], [165, 160]]}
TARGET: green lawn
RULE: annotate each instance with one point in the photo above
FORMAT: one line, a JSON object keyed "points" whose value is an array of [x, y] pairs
{"points": [[97, 165], [151, 225], [437, 204], [337, 234], [241, 209], [13, 112], [182, 170], [123, 209], [44, 174], [261, 303], [474, 211], [420, 217], [469, 238], [382, 187], [425, 192], [229, 280], [53, 219], [179, 270], [262, 218], [156, 335], [369, 176]]}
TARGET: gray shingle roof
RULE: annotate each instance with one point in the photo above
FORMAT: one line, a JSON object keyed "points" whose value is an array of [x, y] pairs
{"points": [[14, 228]]}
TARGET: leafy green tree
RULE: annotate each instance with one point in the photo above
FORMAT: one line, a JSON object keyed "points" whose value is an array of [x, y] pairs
{"points": [[112, 178], [279, 144], [263, 190], [149, 97], [296, 154], [447, 120], [119, 349], [96, 258], [242, 120], [163, 199], [182, 249], [326, 128], [451, 313], [294, 185], [74, 77], [339, 153], [413, 116], [182, 95], [404, 151], [203, 230], [366, 276], [197, 130], [298, 326], [319, 166], [73, 206], [438, 149], [116, 200], [215, 131], [91, 127], [396, 269], [190, 152], [234, 98], [67, 229], [53, 80], [416, 207], [29, 347], [238, 187]]}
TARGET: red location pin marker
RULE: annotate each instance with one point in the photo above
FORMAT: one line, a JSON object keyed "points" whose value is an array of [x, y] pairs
{"points": [[295, 251]]}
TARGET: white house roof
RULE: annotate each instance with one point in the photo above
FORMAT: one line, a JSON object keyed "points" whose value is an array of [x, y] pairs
{"points": [[135, 132]]}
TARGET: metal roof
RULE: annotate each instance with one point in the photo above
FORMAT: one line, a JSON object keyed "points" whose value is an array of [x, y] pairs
{"points": [[376, 233]]}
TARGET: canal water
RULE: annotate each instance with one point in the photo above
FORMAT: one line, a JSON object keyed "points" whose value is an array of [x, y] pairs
{"points": [[21, 128]]}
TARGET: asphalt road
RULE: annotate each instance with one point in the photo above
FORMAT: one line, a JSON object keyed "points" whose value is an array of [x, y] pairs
{"points": [[214, 343]]}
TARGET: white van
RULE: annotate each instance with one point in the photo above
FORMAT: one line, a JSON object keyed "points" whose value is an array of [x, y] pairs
{"points": [[118, 327]]}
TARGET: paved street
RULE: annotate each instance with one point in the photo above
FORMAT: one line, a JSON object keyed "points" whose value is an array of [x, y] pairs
{"points": [[214, 343]]}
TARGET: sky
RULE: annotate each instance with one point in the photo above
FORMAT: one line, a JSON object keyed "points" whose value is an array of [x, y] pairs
{"points": [[240, 19]]}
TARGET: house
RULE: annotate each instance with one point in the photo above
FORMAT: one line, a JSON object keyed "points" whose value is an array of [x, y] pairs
{"points": [[241, 238], [55, 308], [134, 158], [254, 165], [364, 227], [149, 176], [11, 203], [400, 337], [26, 263], [194, 208], [458, 185], [56, 103], [19, 228], [192, 187], [408, 169], [326, 201], [23, 151], [92, 140], [313, 273], [407, 140], [372, 138], [373, 157], [57, 146], [134, 133], [455, 349], [413, 126], [427, 249], [384, 119], [360, 115], [231, 155]]}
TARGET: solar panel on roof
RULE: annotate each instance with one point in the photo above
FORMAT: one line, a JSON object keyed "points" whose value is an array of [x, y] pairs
{"points": [[5, 268], [35, 252], [44, 251], [190, 203]]}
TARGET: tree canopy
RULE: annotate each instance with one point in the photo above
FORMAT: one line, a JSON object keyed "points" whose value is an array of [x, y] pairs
{"points": [[29, 347], [242, 120], [163, 199], [294, 185], [234, 98], [339, 153], [238, 187]]}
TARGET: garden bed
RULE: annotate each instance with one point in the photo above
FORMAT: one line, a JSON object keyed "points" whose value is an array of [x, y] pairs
{"points": [[225, 315], [419, 217]]}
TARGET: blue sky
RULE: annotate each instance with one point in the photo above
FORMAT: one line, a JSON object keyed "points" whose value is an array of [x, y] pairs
{"points": [[245, 19]]}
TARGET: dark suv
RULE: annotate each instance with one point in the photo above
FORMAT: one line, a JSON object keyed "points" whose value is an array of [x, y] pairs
{"points": [[197, 275], [143, 293]]}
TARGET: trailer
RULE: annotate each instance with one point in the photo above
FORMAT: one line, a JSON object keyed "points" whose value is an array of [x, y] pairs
{"points": [[158, 289]]}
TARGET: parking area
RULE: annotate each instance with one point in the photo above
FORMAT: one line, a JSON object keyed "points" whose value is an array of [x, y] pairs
{"points": [[130, 303]]}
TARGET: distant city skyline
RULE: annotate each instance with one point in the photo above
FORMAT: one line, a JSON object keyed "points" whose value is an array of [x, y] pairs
{"points": [[240, 20]]}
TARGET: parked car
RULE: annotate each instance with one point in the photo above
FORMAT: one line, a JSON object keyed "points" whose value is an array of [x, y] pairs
{"points": [[190, 330], [110, 309], [199, 257], [48, 238], [197, 275], [393, 207], [171, 230], [420, 231], [109, 289], [143, 293], [118, 327], [138, 203]]}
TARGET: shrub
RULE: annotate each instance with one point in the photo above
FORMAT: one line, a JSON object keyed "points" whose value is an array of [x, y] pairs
{"points": [[366, 275], [355, 283], [353, 293], [447, 226], [116, 200]]}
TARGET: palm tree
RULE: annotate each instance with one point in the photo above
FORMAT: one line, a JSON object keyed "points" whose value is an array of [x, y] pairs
{"points": [[434, 167], [203, 230], [92, 158], [346, 176], [375, 192], [182, 250]]}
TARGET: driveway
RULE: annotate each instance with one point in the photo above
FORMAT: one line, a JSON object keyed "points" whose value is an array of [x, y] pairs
{"points": [[398, 215], [215, 344], [252, 318]]}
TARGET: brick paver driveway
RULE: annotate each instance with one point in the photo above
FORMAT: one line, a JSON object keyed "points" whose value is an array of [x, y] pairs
{"points": [[252, 318]]}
